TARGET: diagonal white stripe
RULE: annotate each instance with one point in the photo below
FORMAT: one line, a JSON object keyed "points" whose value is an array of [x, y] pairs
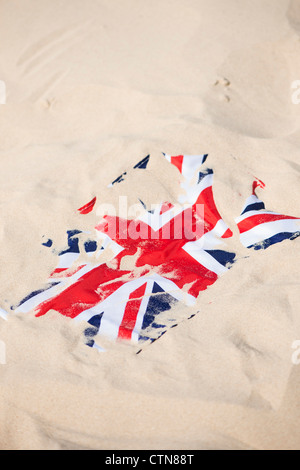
{"points": [[267, 230], [195, 249]]}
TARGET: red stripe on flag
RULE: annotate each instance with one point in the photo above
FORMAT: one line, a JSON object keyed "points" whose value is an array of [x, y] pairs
{"points": [[177, 161], [211, 213], [227, 234], [61, 272], [131, 313], [89, 290], [254, 220], [257, 184], [165, 207], [184, 270], [87, 207]]}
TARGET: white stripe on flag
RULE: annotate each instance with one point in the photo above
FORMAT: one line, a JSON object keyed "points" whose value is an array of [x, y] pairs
{"points": [[121, 296], [3, 314], [190, 164], [112, 318], [267, 230], [66, 260], [213, 239], [142, 311], [157, 220], [192, 192], [35, 300], [253, 199], [252, 213], [220, 228], [195, 249]]}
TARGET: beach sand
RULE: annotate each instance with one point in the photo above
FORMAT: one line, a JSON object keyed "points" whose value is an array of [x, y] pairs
{"points": [[91, 88]]}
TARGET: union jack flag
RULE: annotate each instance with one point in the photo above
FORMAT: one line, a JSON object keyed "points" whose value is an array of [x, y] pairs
{"points": [[128, 303], [133, 301]]}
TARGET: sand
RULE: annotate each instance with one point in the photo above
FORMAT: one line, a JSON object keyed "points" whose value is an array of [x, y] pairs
{"points": [[91, 88]]}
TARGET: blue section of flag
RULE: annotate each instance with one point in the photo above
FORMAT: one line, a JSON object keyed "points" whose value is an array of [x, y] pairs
{"points": [[203, 174], [257, 206], [73, 242], [143, 163], [93, 330], [48, 243], [159, 302], [90, 246], [279, 237], [120, 178], [225, 258], [204, 158]]}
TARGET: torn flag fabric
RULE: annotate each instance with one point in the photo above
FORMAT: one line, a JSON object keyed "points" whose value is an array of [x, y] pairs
{"points": [[171, 263], [260, 228], [165, 255]]}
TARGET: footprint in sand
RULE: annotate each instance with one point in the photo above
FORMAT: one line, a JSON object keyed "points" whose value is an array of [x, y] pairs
{"points": [[222, 85]]}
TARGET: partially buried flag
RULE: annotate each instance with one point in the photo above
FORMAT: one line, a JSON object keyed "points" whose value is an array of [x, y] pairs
{"points": [[177, 251], [170, 265]]}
